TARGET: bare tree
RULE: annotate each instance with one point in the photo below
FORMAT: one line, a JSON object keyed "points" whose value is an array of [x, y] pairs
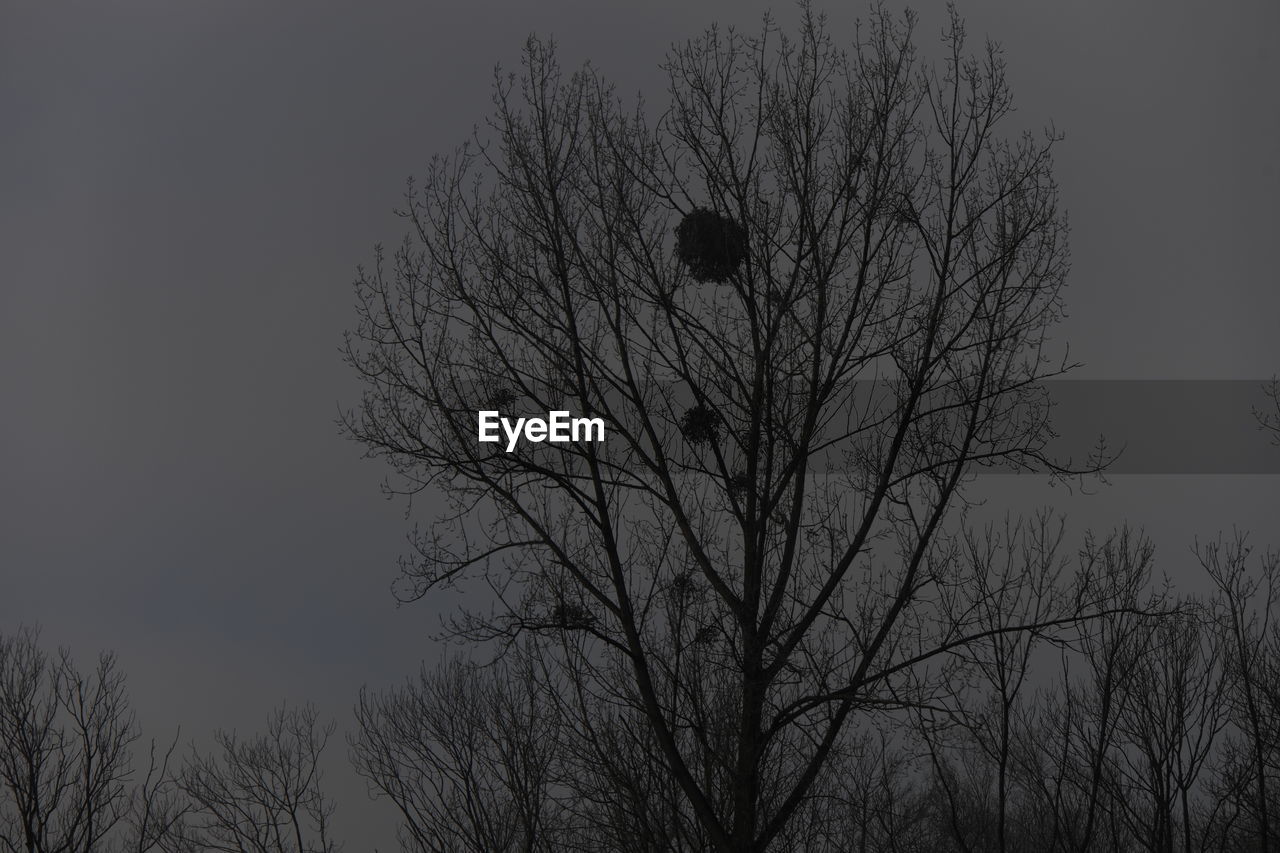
{"points": [[261, 794], [884, 803], [1268, 415], [1014, 767], [759, 551], [466, 754], [1012, 577], [1170, 730], [1245, 613], [67, 778], [158, 807]]}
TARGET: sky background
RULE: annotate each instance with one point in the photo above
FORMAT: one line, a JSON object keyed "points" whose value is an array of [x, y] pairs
{"points": [[186, 188]]}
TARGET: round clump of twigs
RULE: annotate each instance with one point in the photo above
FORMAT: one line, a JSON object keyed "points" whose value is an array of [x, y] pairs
{"points": [[710, 245], [737, 484], [700, 425], [570, 617], [683, 585], [503, 398]]}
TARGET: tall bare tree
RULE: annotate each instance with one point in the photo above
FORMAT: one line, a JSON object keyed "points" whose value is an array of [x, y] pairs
{"points": [[761, 549]]}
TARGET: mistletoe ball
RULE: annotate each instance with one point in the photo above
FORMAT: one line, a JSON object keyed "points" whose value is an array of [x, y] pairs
{"points": [[700, 425], [711, 245]]}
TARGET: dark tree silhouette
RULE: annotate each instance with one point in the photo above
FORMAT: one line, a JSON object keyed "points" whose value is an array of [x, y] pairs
{"points": [[262, 793], [67, 777], [467, 755], [728, 590], [1245, 613]]}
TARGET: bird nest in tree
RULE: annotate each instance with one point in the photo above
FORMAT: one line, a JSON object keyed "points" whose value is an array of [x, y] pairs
{"points": [[737, 484], [570, 617], [503, 398], [683, 584], [712, 246], [700, 425]]}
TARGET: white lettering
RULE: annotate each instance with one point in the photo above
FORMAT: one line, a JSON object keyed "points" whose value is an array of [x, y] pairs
{"points": [[594, 428], [488, 425], [558, 427], [513, 433]]}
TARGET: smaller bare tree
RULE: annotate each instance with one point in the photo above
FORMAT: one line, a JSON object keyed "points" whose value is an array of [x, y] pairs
{"points": [[158, 806], [261, 794], [65, 740], [1268, 414], [1244, 613], [1012, 577], [1169, 731], [466, 755]]}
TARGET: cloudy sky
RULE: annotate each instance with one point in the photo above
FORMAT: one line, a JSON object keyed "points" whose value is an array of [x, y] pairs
{"points": [[186, 187]]}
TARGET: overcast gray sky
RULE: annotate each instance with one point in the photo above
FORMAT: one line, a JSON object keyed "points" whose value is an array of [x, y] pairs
{"points": [[186, 188]]}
